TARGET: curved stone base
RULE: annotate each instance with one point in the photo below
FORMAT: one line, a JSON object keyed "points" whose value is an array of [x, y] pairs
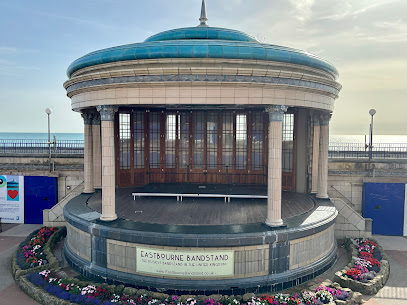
{"points": [[209, 259]]}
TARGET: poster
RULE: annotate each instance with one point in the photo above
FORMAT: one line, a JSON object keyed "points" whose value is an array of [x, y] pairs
{"points": [[187, 264], [12, 199]]}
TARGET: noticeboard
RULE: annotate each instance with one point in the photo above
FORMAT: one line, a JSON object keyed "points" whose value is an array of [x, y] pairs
{"points": [[12, 199]]}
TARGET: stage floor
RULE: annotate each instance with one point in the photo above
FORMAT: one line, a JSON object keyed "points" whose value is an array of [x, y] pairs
{"points": [[200, 211]]}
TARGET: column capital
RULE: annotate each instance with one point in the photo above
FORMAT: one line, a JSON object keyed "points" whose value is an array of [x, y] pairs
{"points": [[87, 118], [107, 112], [96, 119], [276, 112], [324, 118], [316, 118]]}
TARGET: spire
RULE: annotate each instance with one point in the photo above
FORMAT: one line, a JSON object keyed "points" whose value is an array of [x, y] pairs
{"points": [[203, 18]]}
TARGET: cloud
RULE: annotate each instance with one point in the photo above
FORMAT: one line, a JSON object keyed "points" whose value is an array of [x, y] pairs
{"points": [[374, 6], [8, 50], [302, 9]]}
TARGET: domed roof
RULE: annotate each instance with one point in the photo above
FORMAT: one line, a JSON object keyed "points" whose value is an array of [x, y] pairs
{"points": [[201, 42], [201, 33]]}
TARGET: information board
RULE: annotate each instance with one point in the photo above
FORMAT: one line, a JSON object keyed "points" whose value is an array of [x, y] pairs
{"points": [[12, 199], [185, 263]]}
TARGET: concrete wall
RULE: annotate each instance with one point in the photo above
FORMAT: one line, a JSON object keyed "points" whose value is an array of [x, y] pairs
{"points": [[345, 185], [68, 170], [346, 178], [345, 188]]}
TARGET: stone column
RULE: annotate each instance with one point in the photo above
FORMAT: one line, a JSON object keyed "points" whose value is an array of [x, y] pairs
{"points": [[108, 163], [323, 156], [274, 183], [315, 155], [97, 152], [88, 154]]}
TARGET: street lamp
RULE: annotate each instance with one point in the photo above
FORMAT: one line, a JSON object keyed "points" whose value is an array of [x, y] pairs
{"points": [[48, 111], [372, 112]]}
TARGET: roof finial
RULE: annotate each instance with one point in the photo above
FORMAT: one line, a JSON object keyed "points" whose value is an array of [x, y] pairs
{"points": [[203, 18]]}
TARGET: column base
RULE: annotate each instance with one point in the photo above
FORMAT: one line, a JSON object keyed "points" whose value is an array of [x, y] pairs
{"points": [[275, 224], [88, 191], [322, 196], [108, 217], [314, 192]]}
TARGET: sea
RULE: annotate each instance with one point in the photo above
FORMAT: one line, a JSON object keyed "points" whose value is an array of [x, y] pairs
{"points": [[39, 136]]}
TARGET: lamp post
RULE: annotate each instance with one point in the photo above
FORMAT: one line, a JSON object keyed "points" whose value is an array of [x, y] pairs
{"points": [[48, 111], [372, 112]]}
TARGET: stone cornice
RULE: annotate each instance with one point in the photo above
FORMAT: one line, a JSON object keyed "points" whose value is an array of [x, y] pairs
{"points": [[206, 79], [201, 84], [146, 67], [232, 67]]}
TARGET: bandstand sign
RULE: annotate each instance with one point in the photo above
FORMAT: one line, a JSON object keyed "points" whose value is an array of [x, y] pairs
{"points": [[185, 263]]}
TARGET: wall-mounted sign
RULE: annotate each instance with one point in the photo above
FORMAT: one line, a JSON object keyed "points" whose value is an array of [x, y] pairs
{"points": [[12, 199], [188, 264]]}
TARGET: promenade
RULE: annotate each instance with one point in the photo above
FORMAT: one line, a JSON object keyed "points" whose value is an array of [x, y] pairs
{"points": [[10, 238]]}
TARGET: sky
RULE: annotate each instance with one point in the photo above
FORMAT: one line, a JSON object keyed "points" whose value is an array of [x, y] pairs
{"points": [[365, 39]]}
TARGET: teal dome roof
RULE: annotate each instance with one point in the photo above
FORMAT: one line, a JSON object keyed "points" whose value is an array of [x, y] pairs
{"points": [[201, 33], [201, 42]]}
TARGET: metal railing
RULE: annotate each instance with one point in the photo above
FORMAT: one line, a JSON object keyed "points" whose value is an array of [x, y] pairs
{"points": [[40, 147], [338, 194], [76, 147], [360, 151]]}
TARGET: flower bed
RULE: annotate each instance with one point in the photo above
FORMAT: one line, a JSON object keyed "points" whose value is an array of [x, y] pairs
{"points": [[75, 291], [31, 254], [45, 284], [35, 252], [368, 271]]}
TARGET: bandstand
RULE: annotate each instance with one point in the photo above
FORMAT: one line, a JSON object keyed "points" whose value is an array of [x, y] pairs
{"points": [[206, 163]]}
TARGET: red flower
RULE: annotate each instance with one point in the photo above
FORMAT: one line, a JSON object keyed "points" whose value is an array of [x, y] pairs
{"points": [[365, 254]]}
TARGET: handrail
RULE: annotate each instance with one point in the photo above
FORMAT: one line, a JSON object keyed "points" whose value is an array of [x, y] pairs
{"points": [[61, 203], [344, 198]]}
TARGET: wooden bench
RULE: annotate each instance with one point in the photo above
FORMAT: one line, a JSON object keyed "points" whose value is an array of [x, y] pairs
{"points": [[180, 196]]}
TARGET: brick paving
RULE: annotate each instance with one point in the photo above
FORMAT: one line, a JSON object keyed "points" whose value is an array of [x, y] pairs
{"points": [[10, 238], [395, 290]]}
